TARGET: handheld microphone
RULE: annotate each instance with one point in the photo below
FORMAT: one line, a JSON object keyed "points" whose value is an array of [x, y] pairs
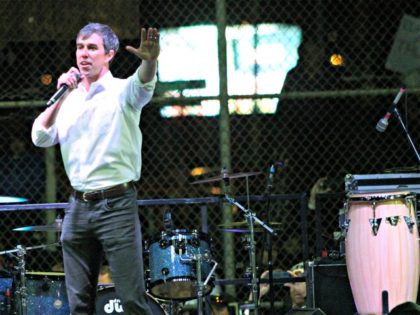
{"points": [[383, 122], [61, 90]]}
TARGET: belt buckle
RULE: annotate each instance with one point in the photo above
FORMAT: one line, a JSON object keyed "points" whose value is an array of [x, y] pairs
{"points": [[84, 197]]}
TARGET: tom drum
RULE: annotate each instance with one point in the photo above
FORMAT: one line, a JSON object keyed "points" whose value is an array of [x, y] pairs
{"points": [[173, 272]]}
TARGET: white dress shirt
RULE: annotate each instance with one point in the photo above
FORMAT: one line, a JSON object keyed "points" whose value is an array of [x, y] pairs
{"points": [[98, 132]]}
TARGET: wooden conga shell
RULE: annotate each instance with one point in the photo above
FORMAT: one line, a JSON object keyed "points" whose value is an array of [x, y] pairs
{"points": [[388, 260]]}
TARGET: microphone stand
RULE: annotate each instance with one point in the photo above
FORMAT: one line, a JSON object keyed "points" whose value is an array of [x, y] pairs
{"points": [[269, 237], [397, 113]]}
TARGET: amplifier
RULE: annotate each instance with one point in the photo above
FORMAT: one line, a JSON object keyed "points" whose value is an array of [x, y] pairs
{"points": [[371, 183], [328, 287]]}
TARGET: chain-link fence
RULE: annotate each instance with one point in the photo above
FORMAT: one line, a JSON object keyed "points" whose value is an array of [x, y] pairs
{"points": [[328, 70]]}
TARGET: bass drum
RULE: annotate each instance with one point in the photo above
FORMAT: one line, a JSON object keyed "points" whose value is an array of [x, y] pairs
{"points": [[107, 302]]}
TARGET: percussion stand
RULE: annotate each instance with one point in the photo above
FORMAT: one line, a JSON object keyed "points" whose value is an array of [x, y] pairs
{"points": [[250, 218], [173, 307], [198, 258]]}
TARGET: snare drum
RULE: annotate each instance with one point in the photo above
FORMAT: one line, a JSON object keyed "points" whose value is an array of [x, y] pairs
{"points": [[107, 302], [173, 269], [46, 293], [382, 249]]}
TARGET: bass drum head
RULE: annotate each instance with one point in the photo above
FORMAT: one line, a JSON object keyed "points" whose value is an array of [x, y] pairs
{"points": [[107, 302]]}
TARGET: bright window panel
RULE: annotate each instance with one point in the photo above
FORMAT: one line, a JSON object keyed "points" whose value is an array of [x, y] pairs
{"points": [[259, 58]]}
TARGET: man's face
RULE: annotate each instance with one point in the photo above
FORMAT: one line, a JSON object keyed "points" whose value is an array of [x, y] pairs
{"points": [[298, 293], [297, 289], [92, 60]]}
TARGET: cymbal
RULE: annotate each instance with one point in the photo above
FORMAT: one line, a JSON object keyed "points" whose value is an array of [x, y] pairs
{"points": [[223, 176], [55, 227], [242, 227], [11, 199]]}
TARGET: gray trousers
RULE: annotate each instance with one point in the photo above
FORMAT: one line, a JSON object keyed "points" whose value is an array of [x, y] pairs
{"points": [[111, 227]]}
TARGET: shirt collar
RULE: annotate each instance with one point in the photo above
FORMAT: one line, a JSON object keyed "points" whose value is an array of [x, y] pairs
{"points": [[101, 84], [103, 81]]}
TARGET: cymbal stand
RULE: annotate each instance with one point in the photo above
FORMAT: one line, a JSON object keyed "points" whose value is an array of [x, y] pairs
{"points": [[250, 218], [198, 258]]}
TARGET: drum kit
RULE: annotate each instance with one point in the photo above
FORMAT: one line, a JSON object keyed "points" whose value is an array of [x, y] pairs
{"points": [[379, 229], [181, 269], [180, 261]]}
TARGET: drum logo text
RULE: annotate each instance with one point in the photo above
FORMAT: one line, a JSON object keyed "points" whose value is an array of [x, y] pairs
{"points": [[113, 305]]}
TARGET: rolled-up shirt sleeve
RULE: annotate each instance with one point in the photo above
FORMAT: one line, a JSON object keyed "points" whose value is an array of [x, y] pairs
{"points": [[138, 93], [43, 137]]}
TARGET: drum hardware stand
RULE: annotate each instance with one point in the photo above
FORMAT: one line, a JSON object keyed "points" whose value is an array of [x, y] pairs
{"points": [[250, 218], [173, 307], [198, 258], [20, 291]]}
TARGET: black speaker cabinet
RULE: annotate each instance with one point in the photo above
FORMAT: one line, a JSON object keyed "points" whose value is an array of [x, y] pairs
{"points": [[306, 311], [328, 287]]}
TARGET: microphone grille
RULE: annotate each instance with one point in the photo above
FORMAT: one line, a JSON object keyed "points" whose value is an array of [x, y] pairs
{"points": [[382, 125]]}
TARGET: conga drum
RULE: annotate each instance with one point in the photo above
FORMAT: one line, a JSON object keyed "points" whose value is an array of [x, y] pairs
{"points": [[382, 249]]}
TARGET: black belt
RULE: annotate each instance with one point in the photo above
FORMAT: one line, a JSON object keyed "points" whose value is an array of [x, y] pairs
{"points": [[112, 192]]}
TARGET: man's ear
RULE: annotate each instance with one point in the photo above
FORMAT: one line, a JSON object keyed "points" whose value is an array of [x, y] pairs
{"points": [[110, 54]]}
